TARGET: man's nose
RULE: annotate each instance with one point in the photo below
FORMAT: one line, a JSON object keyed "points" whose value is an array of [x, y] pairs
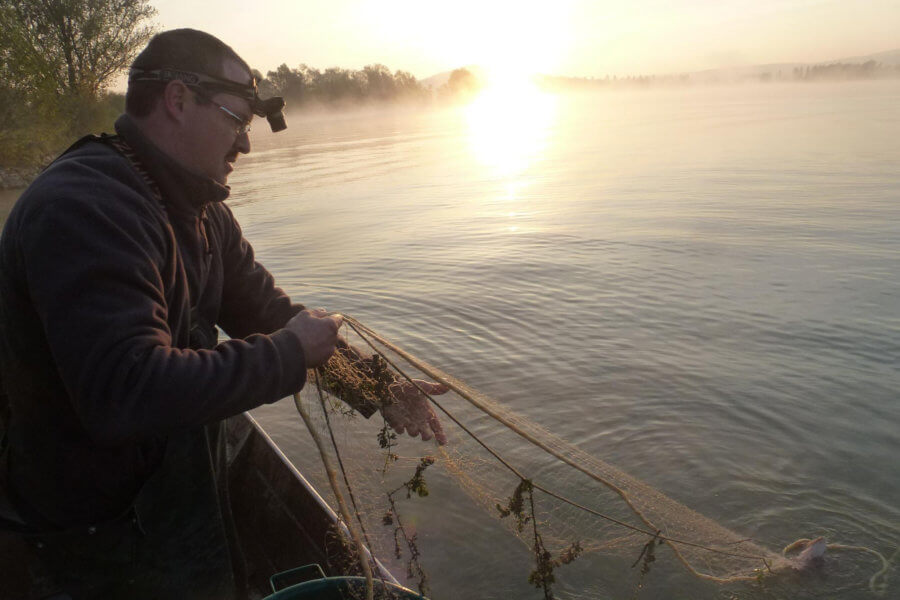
{"points": [[242, 143]]}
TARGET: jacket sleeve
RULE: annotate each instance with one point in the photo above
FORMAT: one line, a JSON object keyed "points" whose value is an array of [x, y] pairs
{"points": [[95, 269], [251, 303]]}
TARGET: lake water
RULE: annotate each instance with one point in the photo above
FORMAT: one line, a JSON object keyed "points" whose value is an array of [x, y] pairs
{"points": [[699, 286]]}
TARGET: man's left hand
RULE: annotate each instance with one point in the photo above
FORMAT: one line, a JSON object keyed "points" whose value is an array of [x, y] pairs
{"points": [[411, 411]]}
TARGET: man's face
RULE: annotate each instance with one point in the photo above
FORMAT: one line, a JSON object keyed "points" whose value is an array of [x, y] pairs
{"points": [[210, 137]]}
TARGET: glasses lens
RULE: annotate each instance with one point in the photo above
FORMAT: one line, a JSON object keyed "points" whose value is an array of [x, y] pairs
{"points": [[242, 126]]}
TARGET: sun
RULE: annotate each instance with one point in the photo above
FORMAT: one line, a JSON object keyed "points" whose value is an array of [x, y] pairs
{"points": [[509, 123]]}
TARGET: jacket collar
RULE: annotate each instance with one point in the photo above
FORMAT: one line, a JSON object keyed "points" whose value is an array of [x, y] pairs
{"points": [[180, 188]]}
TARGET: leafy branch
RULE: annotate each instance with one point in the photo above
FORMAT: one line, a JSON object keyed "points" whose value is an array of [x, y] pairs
{"points": [[543, 574], [646, 558], [415, 485], [387, 440], [516, 505]]}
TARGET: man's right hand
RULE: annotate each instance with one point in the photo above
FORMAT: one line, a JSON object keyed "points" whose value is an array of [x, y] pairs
{"points": [[318, 333]]}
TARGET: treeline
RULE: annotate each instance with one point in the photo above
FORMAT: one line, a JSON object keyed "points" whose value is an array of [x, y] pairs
{"points": [[553, 83], [846, 71], [307, 86], [825, 72], [57, 59]]}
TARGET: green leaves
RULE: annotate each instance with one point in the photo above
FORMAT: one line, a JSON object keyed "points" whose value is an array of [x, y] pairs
{"points": [[516, 505], [71, 46], [416, 484], [57, 57], [521, 504]]}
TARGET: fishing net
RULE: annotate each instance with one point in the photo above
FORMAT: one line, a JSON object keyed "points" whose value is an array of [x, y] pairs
{"points": [[561, 502]]}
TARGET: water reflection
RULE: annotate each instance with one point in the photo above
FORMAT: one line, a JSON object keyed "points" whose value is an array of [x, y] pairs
{"points": [[509, 124]]}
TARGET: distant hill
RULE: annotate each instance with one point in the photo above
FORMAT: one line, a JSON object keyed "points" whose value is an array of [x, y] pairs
{"points": [[889, 58]]}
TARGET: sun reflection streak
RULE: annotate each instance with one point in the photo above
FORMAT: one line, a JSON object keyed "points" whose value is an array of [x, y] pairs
{"points": [[509, 122]]}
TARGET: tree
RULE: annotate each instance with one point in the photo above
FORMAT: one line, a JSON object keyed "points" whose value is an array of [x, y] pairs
{"points": [[463, 81], [57, 58], [340, 85], [406, 82], [462, 84], [289, 83], [379, 82], [70, 47]]}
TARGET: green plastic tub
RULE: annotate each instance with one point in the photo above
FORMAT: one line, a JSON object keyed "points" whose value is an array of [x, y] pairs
{"points": [[315, 585]]}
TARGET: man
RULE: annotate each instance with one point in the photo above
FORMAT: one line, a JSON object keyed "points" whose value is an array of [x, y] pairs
{"points": [[116, 266]]}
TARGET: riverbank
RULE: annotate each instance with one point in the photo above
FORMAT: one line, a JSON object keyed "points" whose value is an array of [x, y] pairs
{"points": [[7, 200], [13, 178]]}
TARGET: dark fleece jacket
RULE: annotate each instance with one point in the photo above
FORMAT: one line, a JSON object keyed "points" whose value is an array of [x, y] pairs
{"points": [[97, 282]]}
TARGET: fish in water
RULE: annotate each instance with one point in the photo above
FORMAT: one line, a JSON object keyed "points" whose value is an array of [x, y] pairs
{"points": [[811, 556]]}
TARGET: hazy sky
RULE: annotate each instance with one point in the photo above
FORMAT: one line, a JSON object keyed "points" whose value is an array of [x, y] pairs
{"points": [[567, 37]]}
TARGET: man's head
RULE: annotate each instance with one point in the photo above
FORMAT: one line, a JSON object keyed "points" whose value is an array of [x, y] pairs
{"points": [[187, 50], [194, 97]]}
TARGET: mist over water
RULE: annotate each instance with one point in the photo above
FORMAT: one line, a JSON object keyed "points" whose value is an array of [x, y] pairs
{"points": [[698, 286]]}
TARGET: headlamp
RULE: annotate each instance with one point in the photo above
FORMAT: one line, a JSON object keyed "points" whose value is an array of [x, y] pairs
{"points": [[270, 108]]}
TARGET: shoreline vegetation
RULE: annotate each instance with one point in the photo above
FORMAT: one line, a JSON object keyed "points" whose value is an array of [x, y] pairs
{"points": [[825, 72], [35, 130], [57, 60]]}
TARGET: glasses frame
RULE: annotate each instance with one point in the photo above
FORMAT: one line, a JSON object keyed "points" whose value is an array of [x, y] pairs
{"points": [[243, 125]]}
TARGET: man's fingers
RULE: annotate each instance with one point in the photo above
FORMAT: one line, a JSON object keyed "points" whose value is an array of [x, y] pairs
{"points": [[322, 313], [430, 387], [317, 332], [438, 388], [393, 420], [414, 414], [435, 424]]}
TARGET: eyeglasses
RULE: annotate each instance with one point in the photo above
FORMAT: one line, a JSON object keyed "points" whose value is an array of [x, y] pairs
{"points": [[243, 125]]}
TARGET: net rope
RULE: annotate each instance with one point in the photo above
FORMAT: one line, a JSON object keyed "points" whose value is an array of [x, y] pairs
{"points": [[578, 502], [664, 518]]}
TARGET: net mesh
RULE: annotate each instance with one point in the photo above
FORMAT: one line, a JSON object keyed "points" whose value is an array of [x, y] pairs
{"points": [[560, 501]]}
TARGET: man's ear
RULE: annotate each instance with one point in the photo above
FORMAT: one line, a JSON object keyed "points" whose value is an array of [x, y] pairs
{"points": [[176, 98]]}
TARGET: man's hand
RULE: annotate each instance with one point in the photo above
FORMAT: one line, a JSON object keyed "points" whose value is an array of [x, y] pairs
{"points": [[412, 412], [318, 333]]}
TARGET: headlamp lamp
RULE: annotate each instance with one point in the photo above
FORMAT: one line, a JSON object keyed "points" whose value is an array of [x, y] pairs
{"points": [[270, 108]]}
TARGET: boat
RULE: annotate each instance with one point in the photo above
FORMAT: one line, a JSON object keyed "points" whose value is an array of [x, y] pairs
{"points": [[288, 533], [282, 521]]}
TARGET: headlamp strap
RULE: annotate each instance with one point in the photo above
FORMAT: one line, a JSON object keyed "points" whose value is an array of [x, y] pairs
{"points": [[191, 79]]}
